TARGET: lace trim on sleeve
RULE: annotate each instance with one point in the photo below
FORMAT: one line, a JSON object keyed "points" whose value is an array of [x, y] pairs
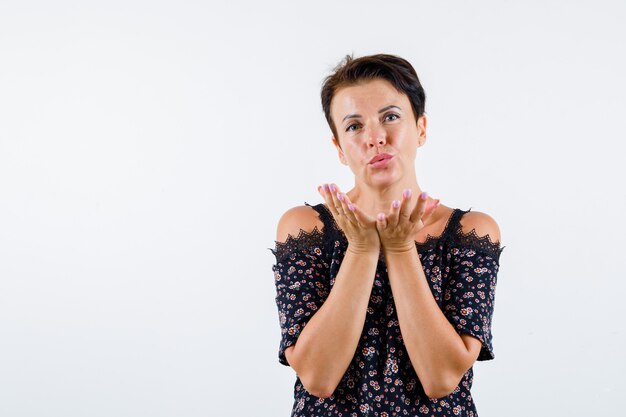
{"points": [[472, 239], [304, 241]]}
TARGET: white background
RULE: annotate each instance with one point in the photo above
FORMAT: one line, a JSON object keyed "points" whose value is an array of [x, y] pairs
{"points": [[148, 149]]}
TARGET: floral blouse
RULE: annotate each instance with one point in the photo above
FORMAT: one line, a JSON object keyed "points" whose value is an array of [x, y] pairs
{"points": [[380, 381]]}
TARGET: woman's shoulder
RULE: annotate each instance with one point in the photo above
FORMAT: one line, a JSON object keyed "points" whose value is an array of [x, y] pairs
{"points": [[300, 230], [296, 221], [477, 230], [480, 224]]}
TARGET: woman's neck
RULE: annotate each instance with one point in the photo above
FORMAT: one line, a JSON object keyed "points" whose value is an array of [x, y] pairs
{"points": [[374, 200]]}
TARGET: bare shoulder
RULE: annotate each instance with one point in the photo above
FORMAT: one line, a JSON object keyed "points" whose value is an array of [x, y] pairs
{"points": [[483, 225], [296, 219]]}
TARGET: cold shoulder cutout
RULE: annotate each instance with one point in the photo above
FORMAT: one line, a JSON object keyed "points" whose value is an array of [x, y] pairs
{"points": [[299, 227]]}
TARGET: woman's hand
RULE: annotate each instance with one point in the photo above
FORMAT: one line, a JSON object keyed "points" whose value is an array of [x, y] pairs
{"points": [[398, 227], [359, 227]]}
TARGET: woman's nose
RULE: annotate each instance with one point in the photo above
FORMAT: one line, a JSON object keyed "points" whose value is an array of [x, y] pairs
{"points": [[377, 136]]}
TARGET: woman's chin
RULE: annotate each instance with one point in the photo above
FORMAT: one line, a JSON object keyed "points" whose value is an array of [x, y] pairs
{"points": [[384, 179], [384, 175]]}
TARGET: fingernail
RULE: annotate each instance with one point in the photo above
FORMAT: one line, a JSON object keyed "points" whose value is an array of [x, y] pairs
{"points": [[333, 188], [424, 195], [325, 187], [407, 193], [340, 196], [395, 204], [350, 207], [381, 216]]}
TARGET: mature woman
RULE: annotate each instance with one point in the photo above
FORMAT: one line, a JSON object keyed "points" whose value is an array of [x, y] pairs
{"points": [[385, 296]]}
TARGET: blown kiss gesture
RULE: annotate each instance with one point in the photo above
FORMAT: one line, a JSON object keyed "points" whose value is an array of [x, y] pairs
{"points": [[398, 227], [395, 230]]}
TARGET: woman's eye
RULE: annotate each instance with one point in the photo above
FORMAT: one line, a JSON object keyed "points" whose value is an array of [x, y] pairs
{"points": [[392, 115], [349, 128]]}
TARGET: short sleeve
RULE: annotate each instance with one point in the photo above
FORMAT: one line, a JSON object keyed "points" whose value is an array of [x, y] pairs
{"points": [[469, 294], [301, 275]]}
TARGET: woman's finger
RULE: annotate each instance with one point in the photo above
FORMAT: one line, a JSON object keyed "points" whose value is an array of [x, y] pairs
{"points": [[347, 214], [337, 206], [430, 210], [324, 189], [330, 202], [350, 209], [420, 207], [405, 211], [381, 221], [394, 214]]}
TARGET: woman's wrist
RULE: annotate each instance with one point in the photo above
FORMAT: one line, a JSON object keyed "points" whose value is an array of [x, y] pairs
{"points": [[363, 249]]}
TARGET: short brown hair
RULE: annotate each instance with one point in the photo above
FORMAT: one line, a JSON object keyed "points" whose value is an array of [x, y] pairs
{"points": [[398, 71]]}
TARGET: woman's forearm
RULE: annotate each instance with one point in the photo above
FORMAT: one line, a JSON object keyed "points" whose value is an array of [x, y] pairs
{"points": [[328, 342], [437, 352]]}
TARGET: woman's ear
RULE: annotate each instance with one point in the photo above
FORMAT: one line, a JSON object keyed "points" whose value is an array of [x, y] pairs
{"points": [[342, 157], [421, 130]]}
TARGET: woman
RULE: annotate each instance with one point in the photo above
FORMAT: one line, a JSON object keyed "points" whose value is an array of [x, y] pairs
{"points": [[385, 296]]}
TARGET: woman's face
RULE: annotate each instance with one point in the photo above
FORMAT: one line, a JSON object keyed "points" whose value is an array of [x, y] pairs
{"points": [[373, 118]]}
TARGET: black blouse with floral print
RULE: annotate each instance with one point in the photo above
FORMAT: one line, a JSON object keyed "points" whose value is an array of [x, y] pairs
{"points": [[461, 269]]}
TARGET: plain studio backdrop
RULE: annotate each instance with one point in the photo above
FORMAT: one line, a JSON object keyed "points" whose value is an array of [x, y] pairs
{"points": [[148, 149]]}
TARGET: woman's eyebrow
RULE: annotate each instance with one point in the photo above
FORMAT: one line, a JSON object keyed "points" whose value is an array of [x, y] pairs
{"points": [[352, 116]]}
